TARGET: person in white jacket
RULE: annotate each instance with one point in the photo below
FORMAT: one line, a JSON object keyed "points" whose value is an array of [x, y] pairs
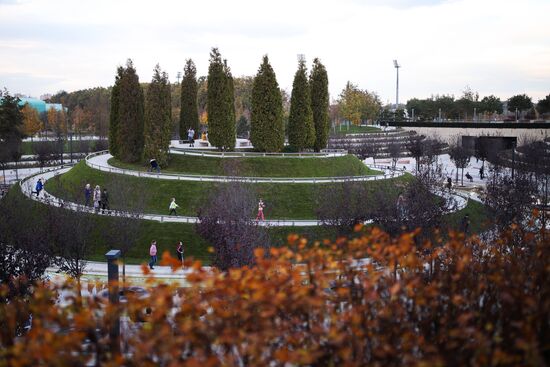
{"points": [[173, 206]]}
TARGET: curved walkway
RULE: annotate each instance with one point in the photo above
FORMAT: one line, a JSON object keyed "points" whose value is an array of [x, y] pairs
{"points": [[28, 184], [325, 153], [99, 161]]}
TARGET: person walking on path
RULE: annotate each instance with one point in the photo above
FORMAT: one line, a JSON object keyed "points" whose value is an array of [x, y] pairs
{"points": [[153, 254], [179, 251], [87, 194], [481, 173], [39, 186], [261, 206], [191, 136], [97, 198], [104, 201], [465, 224], [173, 206], [154, 166]]}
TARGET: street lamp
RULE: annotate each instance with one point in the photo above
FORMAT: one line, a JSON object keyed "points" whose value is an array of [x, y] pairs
{"points": [[397, 66]]}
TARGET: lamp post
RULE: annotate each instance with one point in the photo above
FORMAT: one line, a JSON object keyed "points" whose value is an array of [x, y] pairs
{"points": [[397, 66], [71, 145], [112, 276]]}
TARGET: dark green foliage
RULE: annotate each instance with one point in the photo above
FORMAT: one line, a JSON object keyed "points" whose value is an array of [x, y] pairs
{"points": [[158, 118], [130, 116], [318, 82], [490, 104], [11, 117], [243, 127], [189, 113], [301, 133], [521, 101], [113, 115], [230, 108], [11, 127], [267, 129], [543, 106], [220, 103]]}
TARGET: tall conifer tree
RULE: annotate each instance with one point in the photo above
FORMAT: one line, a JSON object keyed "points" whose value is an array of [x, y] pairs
{"points": [[220, 106], [158, 117], [318, 82], [267, 132], [301, 134], [189, 113], [113, 115], [131, 113], [231, 122]]}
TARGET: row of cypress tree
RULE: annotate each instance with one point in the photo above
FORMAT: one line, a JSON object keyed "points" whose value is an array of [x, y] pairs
{"points": [[308, 122], [140, 127]]}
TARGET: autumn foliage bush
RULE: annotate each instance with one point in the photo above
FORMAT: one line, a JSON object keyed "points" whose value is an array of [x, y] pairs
{"points": [[370, 300]]}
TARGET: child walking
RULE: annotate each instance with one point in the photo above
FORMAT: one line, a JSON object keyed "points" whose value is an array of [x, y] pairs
{"points": [[173, 206], [261, 206]]}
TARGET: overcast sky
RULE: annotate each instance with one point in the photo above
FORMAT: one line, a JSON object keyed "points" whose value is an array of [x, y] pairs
{"points": [[496, 47]]}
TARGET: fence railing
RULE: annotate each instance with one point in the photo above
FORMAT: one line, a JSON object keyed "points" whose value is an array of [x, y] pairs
{"points": [[202, 153]]}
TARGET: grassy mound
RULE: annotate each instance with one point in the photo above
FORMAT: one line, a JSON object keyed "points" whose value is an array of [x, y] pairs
{"points": [[259, 166], [354, 129], [292, 201]]}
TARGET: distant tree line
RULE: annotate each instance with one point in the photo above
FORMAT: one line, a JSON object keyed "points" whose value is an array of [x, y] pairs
{"points": [[463, 108]]}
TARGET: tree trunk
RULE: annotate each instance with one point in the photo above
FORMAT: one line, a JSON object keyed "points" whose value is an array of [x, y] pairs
{"points": [[462, 177]]}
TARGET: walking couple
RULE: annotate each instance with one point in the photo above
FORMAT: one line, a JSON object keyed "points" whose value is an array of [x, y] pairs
{"points": [[100, 199], [153, 253]]}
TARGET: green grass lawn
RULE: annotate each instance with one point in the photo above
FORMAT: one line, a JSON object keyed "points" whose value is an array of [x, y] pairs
{"points": [[259, 166], [354, 129], [292, 201], [168, 234], [477, 212]]}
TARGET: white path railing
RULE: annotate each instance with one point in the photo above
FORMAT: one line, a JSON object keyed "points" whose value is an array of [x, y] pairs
{"points": [[325, 153]]}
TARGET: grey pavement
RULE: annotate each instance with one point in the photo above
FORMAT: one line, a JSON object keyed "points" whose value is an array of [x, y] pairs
{"points": [[98, 270]]}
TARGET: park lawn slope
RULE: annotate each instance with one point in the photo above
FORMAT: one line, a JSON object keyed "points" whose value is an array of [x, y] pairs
{"points": [[348, 165], [355, 129], [152, 196], [168, 234]]}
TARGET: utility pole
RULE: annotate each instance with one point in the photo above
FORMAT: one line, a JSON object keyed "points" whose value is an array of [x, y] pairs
{"points": [[397, 66]]}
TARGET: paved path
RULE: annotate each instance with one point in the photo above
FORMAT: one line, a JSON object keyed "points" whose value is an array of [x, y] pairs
{"points": [[100, 160], [27, 186], [326, 153], [97, 269]]}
